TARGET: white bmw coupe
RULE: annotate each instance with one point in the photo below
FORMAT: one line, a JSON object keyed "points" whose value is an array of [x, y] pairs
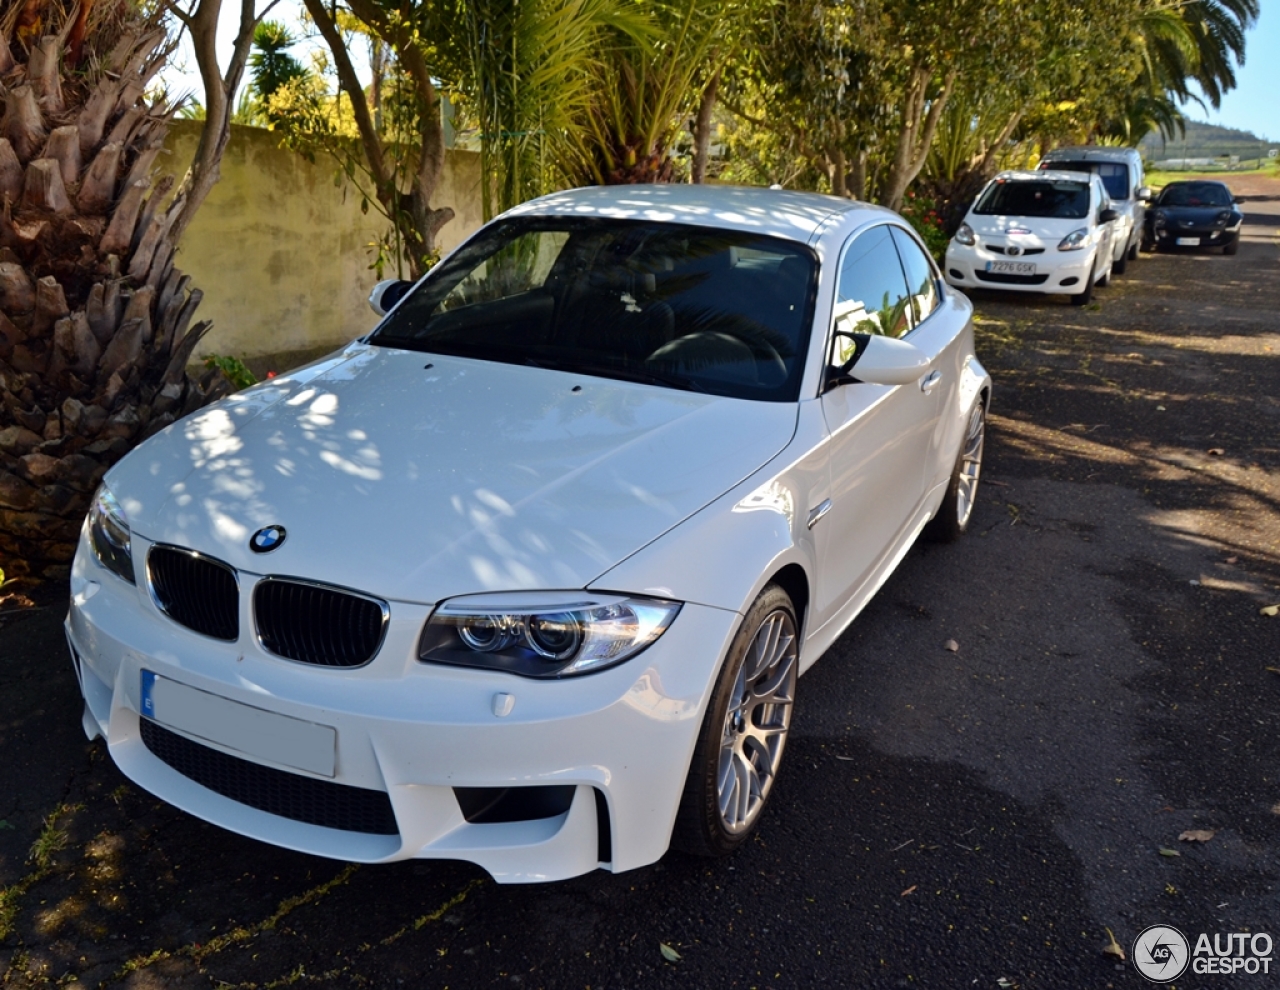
{"points": [[526, 576]]}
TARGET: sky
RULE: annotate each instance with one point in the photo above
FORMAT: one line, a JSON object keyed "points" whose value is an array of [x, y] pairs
{"points": [[1251, 106]]}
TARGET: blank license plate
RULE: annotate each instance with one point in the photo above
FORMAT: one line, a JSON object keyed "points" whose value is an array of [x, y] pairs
{"points": [[1011, 267], [1188, 242], [255, 732]]}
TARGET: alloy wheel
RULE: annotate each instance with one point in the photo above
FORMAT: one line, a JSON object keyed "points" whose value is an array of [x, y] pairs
{"points": [[756, 723], [970, 465]]}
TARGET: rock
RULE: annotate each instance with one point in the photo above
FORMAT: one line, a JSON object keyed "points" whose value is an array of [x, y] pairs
{"points": [[18, 440], [123, 425], [52, 428], [14, 492], [39, 468], [81, 473], [95, 417], [60, 500], [33, 419], [72, 414]]}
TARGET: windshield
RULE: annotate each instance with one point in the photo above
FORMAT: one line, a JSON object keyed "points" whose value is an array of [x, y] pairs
{"points": [[1114, 175], [1195, 194], [1034, 198], [706, 310]]}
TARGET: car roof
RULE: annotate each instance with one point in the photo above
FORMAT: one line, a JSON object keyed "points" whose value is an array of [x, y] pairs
{"points": [[782, 213], [1052, 174], [1091, 152]]}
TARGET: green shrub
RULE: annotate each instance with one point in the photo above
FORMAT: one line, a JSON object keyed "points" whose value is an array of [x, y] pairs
{"points": [[922, 213], [232, 369]]}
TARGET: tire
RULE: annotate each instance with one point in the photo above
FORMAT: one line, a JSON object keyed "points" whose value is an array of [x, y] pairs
{"points": [[744, 732], [1106, 278], [1232, 246], [1119, 266], [1085, 294], [962, 492], [1133, 252]]}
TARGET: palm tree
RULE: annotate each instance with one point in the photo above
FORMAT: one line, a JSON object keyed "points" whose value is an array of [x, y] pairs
{"points": [[95, 321]]}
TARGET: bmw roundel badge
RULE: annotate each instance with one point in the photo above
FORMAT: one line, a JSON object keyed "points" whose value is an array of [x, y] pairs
{"points": [[266, 539]]}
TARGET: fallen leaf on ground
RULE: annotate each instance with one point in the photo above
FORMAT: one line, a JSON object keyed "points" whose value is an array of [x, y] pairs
{"points": [[847, 759], [909, 890], [668, 953], [1112, 948], [1197, 835], [1216, 451], [1231, 560], [1160, 409], [1271, 610], [1169, 852], [951, 645], [1274, 670]]}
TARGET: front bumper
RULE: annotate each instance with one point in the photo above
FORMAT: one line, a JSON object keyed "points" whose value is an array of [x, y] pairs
{"points": [[616, 744], [1057, 272], [1195, 236]]}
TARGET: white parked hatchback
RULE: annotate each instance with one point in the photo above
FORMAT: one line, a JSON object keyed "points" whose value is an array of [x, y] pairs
{"points": [[527, 575], [1046, 232]]}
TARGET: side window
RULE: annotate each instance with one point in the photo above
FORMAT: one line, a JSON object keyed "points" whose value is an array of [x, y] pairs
{"points": [[920, 276], [871, 292]]}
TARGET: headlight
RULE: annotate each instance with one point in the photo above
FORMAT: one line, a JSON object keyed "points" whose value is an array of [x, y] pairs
{"points": [[1222, 218], [1160, 218], [542, 637], [965, 235], [1075, 240], [109, 534]]}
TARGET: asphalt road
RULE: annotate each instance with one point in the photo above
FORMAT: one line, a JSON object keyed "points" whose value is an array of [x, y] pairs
{"points": [[945, 819]]}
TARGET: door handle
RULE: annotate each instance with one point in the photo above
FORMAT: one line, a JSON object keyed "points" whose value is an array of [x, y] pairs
{"points": [[818, 511], [927, 384]]}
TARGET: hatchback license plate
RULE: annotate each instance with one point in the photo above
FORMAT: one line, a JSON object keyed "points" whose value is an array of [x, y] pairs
{"points": [[1011, 267], [255, 732], [1188, 242]]}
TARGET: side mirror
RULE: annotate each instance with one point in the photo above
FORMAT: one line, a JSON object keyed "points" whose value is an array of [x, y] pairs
{"points": [[387, 293], [1106, 216], [879, 360], [1144, 194]]}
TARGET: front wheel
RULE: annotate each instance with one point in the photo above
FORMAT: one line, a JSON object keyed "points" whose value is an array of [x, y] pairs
{"points": [[1232, 246], [740, 744], [957, 505], [1121, 264], [1133, 251], [1085, 294]]}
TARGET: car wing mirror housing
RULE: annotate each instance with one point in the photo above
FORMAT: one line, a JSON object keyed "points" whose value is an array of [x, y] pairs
{"points": [[1144, 194], [1106, 216], [879, 360], [387, 293]]}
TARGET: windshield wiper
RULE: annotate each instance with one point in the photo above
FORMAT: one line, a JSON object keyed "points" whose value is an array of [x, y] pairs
{"points": [[626, 374]]}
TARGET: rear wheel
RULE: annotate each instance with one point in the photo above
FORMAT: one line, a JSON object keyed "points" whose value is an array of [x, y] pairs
{"points": [[744, 732], [957, 505]]}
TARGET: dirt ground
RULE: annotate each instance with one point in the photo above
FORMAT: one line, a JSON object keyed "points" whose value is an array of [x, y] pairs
{"points": [[982, 817]]}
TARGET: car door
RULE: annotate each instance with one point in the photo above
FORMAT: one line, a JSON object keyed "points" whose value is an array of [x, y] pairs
{"points": [[880, 434]]}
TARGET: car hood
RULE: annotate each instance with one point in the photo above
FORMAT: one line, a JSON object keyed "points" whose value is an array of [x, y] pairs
{"points": [[1205, 215], [419, 483], [1044, 231]]}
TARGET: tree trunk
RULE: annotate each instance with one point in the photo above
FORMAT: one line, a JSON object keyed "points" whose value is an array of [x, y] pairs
{"points": [[702, 129], [81, 370], [916, 135]]}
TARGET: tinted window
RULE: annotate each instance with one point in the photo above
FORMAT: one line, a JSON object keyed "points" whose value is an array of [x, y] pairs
{"points": [[1034, 198], [1195, 194], [1114, 175], [695, 308], [920, 275], [871, 293]]}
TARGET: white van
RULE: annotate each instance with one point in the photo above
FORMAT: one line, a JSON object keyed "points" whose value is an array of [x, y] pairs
{"points": [[1121, 172]]}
